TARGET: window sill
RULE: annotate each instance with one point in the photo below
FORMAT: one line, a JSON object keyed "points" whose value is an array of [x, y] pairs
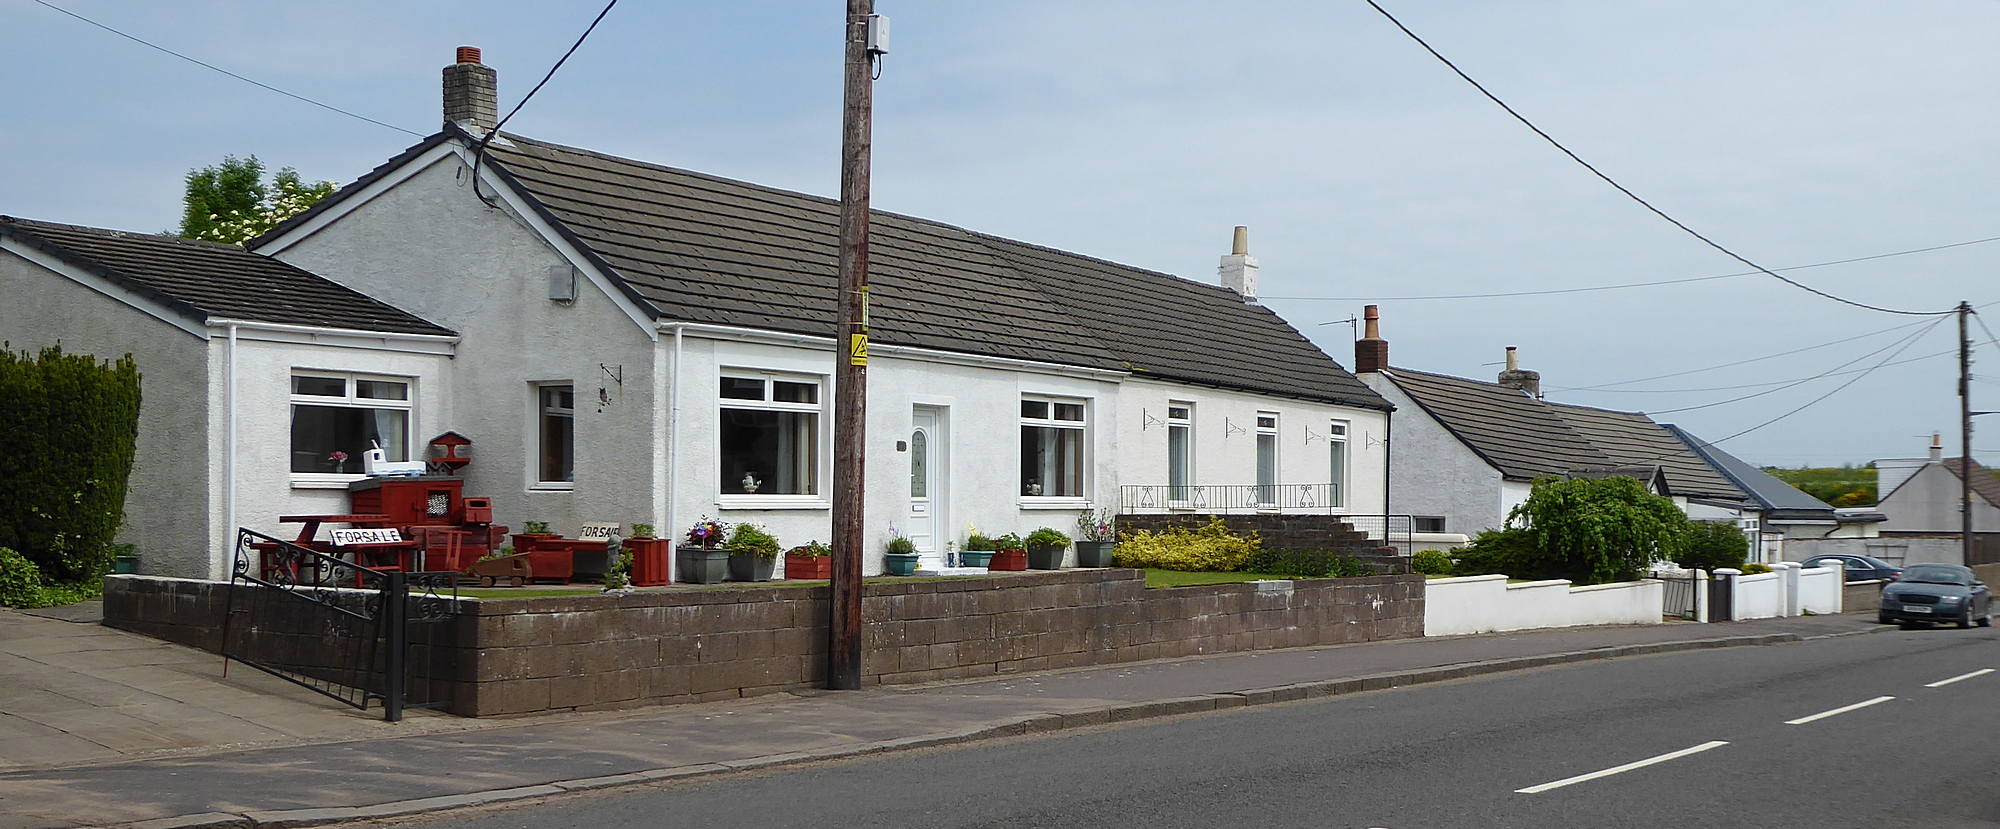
{"points": [[552, 486], [1032, 502], [763, 502], [320, 480]]}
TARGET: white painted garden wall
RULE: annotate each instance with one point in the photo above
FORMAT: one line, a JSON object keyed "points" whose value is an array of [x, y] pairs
{"points": [[1820, 589], [1761, 596], [1483, 604]]}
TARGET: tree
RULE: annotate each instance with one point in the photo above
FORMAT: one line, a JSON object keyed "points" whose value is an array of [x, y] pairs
{"points": [[1592, 531], [1715, 544], [230, 202]]}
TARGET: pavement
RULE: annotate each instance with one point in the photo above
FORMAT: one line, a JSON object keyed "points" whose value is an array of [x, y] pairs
{"points": [[125, 730]]}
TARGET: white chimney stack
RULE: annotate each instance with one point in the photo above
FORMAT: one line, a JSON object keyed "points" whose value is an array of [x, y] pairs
{"points": [[1239, 268], [1937, 447]]}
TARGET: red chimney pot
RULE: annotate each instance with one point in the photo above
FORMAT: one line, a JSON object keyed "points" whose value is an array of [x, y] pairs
{"points": [[468, 54]]}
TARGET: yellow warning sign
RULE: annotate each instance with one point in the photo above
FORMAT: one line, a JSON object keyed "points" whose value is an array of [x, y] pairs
{"points": [[857, 349]]}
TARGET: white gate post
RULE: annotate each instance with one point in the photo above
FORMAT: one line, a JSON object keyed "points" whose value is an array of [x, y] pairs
{"points": [[1700, 584]]}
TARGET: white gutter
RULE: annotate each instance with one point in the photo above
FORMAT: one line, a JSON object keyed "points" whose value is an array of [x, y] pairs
{"points": [[229, 454], [253, 325], [911, 352]]}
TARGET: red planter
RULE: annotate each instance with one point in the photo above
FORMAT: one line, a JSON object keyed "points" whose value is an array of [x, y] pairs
{"points": [[652, 561], [553, 560], [808, 567], [1009, 560]]}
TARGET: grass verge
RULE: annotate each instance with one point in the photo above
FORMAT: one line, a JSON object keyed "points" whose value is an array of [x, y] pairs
{"points": [[1181, 578]]}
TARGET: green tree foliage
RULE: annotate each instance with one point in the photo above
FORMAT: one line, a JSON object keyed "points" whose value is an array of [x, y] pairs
{"points": [[1840, 486], [1713, 544], [68, 428], [231, 203], [1588, 531]]}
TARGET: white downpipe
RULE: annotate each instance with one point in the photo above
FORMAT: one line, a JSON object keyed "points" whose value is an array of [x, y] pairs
{"points": [[229, 454], [670, 523]]}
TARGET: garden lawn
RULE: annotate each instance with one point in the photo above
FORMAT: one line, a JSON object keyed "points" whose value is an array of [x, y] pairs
{"points": [[1181, 578]]}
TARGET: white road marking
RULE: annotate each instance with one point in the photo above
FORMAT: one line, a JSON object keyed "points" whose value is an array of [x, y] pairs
{"points": [[1841, 710], [1943, 682], [1622, 769]]}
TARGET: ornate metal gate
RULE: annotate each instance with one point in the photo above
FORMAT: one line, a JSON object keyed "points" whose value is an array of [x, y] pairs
{"points": [[337, 628]]}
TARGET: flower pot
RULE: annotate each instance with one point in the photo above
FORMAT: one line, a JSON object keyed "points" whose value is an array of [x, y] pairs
{"points": [[650, 565], [975, 558], [702, 565], [525, 542], [751, 567], [1094, 553], [125, 564], [808, 567], [900, 564], [552, 560], [1046, 556], [1008, 560]]}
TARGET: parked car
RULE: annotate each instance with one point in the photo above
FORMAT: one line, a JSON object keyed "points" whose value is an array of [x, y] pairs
{"points": [[1934, 593], [1859, 568]]}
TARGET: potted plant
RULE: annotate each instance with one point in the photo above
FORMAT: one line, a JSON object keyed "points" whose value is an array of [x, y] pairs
{"points": [[1096, 538], [647, 558], [1045, 548], [531, 532], [1009, 553], [811, 560], [124, 558], [615, 577], [702, 560], [753, 553], [899, 556], [978, 550]]}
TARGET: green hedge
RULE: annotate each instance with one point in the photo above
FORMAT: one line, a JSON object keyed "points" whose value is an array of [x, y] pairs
{"points": [[68, 427]]}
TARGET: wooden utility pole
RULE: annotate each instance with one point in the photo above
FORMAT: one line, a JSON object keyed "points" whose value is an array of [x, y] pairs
{"points": [[850, 412], [1965, 432]]}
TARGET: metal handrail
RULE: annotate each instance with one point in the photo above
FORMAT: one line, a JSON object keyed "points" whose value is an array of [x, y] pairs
{"points": [[1229, 498]]}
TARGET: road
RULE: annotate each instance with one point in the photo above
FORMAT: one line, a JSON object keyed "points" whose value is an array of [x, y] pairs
{"points": [[1880, 729]]}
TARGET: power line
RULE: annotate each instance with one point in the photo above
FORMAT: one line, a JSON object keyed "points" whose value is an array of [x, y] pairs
{"points": [[479, 152], [207, 65], [1628, 193], [1681, 281], [1931, 356], [1903, 343]]}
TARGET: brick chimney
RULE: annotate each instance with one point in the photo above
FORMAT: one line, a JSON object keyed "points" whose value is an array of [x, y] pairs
{"points": [[1371, 352], [1514, 377], [1239, 268], [471, 93]]}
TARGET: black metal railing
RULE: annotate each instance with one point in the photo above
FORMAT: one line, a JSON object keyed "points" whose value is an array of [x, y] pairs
{"points": [[1229, 498], [337, 628]]}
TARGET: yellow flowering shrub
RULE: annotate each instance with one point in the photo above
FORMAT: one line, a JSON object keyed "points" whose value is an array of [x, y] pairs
{"points": [[1210, 548]]}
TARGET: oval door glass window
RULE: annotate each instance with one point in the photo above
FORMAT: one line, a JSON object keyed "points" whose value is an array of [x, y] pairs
{"points": [[920, 474]]}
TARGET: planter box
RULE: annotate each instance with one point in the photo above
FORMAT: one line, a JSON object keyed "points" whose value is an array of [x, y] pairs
{"points": [[125, 564], [651, 566], [525, 542], [551, 560], [975, 558], [700, 566], [1045, 557], [1009, 560], [900, 564], [808, 567], [751, 567], [1094, 553]]}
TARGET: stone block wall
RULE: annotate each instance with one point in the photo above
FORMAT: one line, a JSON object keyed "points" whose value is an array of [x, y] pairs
{"points": [[690, 644]]}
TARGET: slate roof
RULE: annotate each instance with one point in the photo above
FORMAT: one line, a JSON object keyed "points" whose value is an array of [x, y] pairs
{"points": [[203, 280], [1526, 438], [1983, 483], [1778, 499], [700, 248]]}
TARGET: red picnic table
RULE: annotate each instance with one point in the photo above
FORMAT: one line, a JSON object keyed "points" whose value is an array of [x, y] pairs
{"points": [[404, 555]]}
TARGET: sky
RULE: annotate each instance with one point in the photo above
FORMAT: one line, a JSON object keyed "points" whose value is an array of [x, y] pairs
{"points": [[1791, 132]]}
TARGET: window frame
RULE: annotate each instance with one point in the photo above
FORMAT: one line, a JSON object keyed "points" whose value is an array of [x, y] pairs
{"points": [[822, 463], [351, 399], [1337, 432], [1257, 443], [1185, 423], [1049, 421], [538, 412]]}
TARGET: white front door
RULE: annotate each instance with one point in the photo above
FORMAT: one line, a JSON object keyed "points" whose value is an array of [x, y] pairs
{"points": [[927, 482]]}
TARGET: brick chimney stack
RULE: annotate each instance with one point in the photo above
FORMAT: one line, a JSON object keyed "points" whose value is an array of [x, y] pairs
{"points": [[471, 93], [1371, 352], [1239, 268], [1514, 377]]}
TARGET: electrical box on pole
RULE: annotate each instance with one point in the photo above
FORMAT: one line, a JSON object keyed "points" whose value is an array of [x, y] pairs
{"points": [[877, 39]]}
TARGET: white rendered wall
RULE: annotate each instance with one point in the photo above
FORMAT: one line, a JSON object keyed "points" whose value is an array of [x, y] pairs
{"points": [[1761, 596], [1928, 502], [1483, 604], [1820, 589], [1435, 474]]}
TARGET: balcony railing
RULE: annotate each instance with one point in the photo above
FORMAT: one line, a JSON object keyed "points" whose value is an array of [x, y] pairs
{"points": [[1230, 498]]}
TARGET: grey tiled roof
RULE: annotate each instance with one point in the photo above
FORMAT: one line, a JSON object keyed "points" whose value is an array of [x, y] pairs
{"points": [[205, 280], [1526, 438], [1983, 483], [1761, 487], [705, 249]]}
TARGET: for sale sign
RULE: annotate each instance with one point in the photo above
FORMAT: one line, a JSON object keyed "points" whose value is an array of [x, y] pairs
{"points": [[367, 535]]}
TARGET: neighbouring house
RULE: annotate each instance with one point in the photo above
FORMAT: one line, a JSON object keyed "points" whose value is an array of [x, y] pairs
{"points": [[1785, 520], [1468, 451], [1920, 498], [628, 342], [253, 373]]}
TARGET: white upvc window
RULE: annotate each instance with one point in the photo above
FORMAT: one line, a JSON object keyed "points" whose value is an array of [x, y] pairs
{"points": [[769, 437], [1267, 458], [1336, 438], [336, 416], [555, 431], [1053, 433], [1180, 450]]}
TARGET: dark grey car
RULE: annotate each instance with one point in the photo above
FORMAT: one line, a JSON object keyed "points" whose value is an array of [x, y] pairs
{"points": [[1934, 593]]}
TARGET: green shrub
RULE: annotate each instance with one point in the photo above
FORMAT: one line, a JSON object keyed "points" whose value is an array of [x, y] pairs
{"points": [[20, 580], [1431, 563], [750, 538], [1009, 541], [643, 531], [1306, 564], [1178, 548], [1754, 568], [68, 427], [1593, 531], [811, 549], [1714, 544], [1509, 551], [1047, 537], [977, 541]]}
